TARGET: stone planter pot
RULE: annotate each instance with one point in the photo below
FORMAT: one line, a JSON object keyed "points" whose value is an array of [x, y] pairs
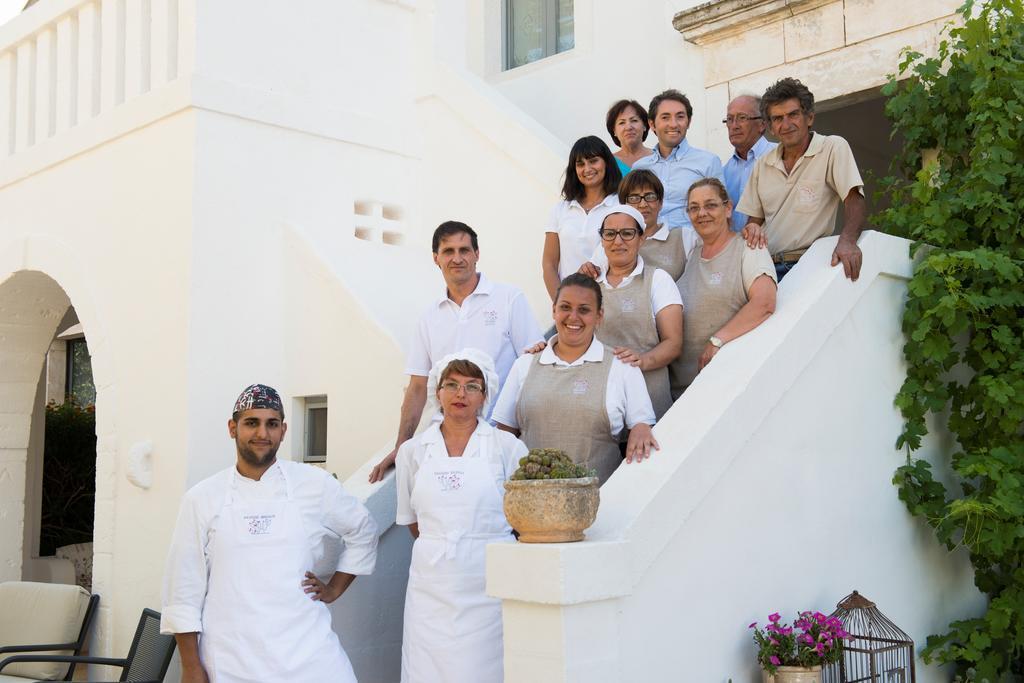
{"points": [[551, 510], [794, 674]]}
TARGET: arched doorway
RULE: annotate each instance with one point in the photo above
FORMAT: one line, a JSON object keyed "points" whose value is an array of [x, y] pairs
{"points": [[32, 308]]}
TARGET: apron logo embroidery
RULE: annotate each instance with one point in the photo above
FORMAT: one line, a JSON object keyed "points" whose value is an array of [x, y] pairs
{"points": [[579, 387], [490, 317], [716, 279], [449, 481], [259, 525], [628, 305]]}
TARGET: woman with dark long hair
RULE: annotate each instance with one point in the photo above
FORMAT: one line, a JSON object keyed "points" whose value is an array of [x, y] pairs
{"points": [[591, 180]]}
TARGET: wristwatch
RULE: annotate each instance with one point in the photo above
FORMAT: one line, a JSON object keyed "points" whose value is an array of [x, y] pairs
{"points": [[716, 342]]}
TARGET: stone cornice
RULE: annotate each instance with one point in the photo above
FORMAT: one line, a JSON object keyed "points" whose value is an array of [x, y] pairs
{"points": [[720, 19]]}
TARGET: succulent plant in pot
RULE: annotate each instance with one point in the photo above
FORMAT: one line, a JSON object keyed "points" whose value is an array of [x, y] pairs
{"points": [[551, 499]]}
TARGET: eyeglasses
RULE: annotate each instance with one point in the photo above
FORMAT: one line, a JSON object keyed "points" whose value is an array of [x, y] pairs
{"points": [[710, 207], [469, 387], [627, 234], [649, 197], [739, 118]]}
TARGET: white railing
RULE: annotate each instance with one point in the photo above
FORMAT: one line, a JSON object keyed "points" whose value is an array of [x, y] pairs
{"points": [[65, 62]]}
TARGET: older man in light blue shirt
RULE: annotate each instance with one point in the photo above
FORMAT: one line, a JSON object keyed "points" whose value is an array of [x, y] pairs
{"points": [[677, 164], [746, 128]]}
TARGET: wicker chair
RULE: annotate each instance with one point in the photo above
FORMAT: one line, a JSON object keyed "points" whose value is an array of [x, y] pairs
{"points": [[147, 660], [43, 618]]}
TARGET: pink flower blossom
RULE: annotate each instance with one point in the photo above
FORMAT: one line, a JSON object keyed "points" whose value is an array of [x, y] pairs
{"points": [[753, 624], [774, 618], [775, 660]]}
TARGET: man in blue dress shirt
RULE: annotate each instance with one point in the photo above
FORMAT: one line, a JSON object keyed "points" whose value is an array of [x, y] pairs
{"points": [[746, 129], [674, 161]]}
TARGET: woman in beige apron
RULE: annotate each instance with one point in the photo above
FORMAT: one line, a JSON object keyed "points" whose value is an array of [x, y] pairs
{"points": [[728, 289], [575, 395], [450, 488], [662, 248], [643, 314]]}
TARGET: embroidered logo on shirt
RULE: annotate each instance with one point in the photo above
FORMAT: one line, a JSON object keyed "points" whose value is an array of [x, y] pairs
{"points": [[449, 481], [490, 317], [716, 278], [259, 525], [805, 195], [628, 305], [580, 386]]}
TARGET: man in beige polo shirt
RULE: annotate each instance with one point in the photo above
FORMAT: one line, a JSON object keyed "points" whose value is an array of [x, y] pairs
{"points": [[795, 190]]}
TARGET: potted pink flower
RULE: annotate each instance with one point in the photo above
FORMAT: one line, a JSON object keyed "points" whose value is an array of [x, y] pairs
{"points": [[795, 654]]}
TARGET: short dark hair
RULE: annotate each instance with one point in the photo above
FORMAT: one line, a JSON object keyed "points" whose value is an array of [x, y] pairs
{"points": [[581, 280], [616, 111], [587, 148], [635, 180], [449, 228], [713, 183], [466, 368], [670, 94], [787, 89]]}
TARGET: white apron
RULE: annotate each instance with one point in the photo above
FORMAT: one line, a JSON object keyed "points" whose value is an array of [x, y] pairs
{"points": [[452, 631], [258, 623]]}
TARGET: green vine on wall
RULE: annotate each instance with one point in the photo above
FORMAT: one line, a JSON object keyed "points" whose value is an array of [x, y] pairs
{"points": [[964, 317]]}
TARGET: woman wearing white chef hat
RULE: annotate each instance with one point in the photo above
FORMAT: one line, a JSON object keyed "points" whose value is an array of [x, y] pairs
{"points": [[450, 488]]}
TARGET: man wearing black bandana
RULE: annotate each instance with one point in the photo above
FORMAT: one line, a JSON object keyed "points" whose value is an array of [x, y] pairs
{"points": [[239, 593]]}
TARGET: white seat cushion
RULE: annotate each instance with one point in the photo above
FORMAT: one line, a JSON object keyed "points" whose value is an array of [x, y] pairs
{"points": [[39, 613]]}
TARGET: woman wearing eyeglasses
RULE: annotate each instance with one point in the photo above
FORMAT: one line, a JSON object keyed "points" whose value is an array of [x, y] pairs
{"points": [[728, 288], [661, 248], [643, 313], [575, 395], [449, 481]]}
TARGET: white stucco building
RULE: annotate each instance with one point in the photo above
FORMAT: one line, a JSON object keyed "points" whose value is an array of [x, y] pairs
{"points": [[228, 192]]}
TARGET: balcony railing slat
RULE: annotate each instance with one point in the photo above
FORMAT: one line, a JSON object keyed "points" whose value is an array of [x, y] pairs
{"points": [[89, 48], [46, 82], [136, 48], [66, 90], [24, 96], [7, 99], [160, 39], [112, 16]]}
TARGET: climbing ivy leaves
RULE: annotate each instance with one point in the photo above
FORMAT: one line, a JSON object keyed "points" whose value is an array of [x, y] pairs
{"points": [[957, 191]]}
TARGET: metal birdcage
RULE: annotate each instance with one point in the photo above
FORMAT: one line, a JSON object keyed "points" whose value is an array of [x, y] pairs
{"points": [[877, 650]]}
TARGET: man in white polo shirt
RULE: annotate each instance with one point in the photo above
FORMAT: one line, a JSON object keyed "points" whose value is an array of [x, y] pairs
{"points": [[474, 312]]}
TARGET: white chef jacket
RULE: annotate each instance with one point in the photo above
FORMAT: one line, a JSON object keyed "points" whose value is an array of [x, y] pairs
{"points": [[495, 318], [504, 453], [626, 399], [326, 509]]}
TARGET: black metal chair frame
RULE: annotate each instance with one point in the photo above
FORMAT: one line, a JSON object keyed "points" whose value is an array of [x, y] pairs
{"points": [[124, 664], [75, 647]]}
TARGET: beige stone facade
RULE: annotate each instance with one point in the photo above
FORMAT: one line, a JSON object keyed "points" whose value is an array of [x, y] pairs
{"points": [[837, 47]]}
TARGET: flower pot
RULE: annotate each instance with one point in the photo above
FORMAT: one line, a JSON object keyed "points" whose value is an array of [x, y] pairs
{"points": [[551, 510], [794, 674]]}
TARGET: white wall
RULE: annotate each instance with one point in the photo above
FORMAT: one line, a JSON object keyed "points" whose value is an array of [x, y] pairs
{"points": [[623, 50], [772, 493]]}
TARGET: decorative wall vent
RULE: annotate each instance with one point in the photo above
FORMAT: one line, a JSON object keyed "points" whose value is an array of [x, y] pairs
{"points": [[378, 222]]}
